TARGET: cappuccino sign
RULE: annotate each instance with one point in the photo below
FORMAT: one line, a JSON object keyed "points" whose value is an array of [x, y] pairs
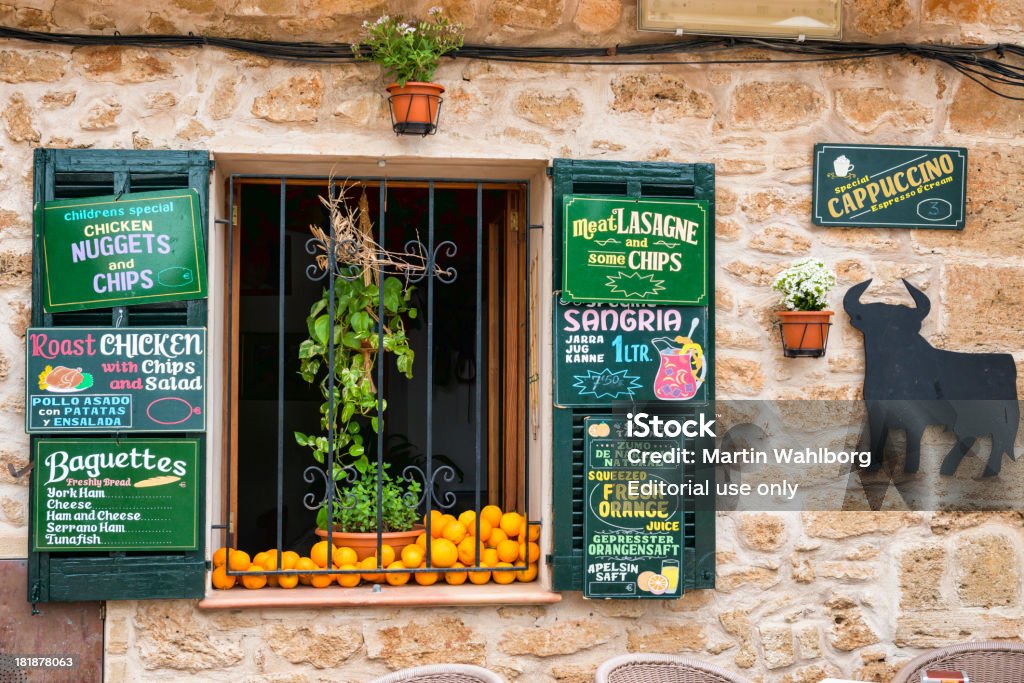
{"points": [[891, 187], [639, 251], [107, 494]]}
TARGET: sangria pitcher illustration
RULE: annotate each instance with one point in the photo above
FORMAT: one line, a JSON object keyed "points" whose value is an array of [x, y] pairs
{"points": [[682, 368]]}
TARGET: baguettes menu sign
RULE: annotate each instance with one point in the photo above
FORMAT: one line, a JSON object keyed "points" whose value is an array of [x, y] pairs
{"points": [[141, 247]]}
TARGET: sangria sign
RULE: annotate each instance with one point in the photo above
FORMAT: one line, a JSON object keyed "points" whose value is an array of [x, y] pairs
{"points": [[632, 528], [137, 379], [606, 353], [141, 247], [888, 186], [102, 494], [622, 250]]}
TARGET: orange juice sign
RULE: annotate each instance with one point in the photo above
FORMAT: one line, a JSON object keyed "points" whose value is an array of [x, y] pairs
{"points": [[632, 525], [101, 379], [141, 247]]}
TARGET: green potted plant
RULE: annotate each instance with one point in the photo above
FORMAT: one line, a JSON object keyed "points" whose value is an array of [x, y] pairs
{"points": [[805, 319], [350, 401], [410, 51]]}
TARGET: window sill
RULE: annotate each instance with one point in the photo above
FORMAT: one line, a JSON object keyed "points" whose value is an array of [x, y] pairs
{"points": [[403, 596]]}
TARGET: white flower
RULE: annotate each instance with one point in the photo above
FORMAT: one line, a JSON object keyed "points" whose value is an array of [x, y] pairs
{"points": [[434, 11]]}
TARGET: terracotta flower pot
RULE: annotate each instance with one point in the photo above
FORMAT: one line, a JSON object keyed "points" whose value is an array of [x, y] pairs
{"points": [[365, 544], [804, 333], [414, 107]]}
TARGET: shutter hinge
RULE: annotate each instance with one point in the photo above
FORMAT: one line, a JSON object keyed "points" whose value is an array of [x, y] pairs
{"points": [[234, 216], [34, 595], [103, 611], [550, 171], [213, 165], [514, 219], [231, 522]]}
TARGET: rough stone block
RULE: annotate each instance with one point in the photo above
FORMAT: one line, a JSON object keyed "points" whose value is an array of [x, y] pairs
{"points": [[556, 111], [324, 647], [296, 100], [121, 65], [668, 638], [169, 634], [739, 376], [987, 570], [872, 17], [780, 240], [597, 16], [948, 627], [760, 578], [18, 120], [773, 204], [15, 269], [102, 115], [984, 308], [436, 640], [561, 638], [866, 109], [839, 525], [668, 95], [776, 105], [762, 531], [848, 630], [920, 577], [36, 67], [777, 645], [528, 14]]}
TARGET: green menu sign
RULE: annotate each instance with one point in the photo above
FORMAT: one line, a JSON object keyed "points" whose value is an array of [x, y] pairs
{"points": [[611, 352], [141, 379], [888, 186], [632, 518], [135, 248], [623, 250], [101, 494]]}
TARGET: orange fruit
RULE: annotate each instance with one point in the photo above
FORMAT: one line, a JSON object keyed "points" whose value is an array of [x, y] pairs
{"points": [[529, 552], [220, 558], [485, 530], [387, 555], [272, 580], [508, 551], [426, 578], [490, 557], [321, 580], [318, 553], [468, 518], [455, 578], [220, 579], [437, 525], [412, 555], [257, 559], [343, 555], [304, 564], [496, 537], [347, 580], [371, 563], [505, 577], [479, 576], [511, 524], [468, 551], [534, 532], [435, 517], [492, 513], [528, 574], [394, 578], [288, 559], [421, 540], [443, 553], [270, 560], [288, 580], [254, 578], [238, 560], [454, 531]]}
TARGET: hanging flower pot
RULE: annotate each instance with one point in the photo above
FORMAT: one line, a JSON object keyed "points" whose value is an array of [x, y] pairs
{"points": [[415, 107], [804, 333]]}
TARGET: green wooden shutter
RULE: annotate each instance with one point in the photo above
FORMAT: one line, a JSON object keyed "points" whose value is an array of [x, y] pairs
{"points": [[66, 174], [630, 179]]}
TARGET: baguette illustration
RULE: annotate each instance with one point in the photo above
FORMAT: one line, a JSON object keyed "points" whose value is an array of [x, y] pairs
{"points": [[157, 481]]}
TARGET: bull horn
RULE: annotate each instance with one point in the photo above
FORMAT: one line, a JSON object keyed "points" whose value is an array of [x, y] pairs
{"points": [[923, 304], [851, 302]]}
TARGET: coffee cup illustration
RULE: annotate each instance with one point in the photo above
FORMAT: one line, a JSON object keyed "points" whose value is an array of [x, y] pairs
{"points": [[842, 166]]}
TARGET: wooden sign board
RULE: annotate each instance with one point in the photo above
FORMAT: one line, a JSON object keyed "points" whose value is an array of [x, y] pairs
{"points": [[890, 187], [606, 353], [623, 250], [135, 248], [101, 494], [632, 540], [130, 379]]}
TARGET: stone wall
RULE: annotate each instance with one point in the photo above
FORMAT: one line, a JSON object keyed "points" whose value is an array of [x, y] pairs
{"points": [[800, 596]]}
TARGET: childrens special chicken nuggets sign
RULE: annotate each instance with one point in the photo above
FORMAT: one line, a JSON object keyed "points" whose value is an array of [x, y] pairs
{"points": [[637, 251], [890, 187], [135, 248]]}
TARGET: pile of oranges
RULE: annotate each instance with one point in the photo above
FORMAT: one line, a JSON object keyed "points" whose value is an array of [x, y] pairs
{"points": [[505, 541]]}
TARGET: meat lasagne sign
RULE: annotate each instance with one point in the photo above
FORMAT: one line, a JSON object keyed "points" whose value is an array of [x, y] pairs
{"points": [[891, 187]]}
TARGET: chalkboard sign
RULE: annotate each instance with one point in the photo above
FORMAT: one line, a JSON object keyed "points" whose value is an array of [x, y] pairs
{"points": [[651, 251], [103, 494], [134, 248], [606, 353], [131, 379], [888, 186], [632, 518]]}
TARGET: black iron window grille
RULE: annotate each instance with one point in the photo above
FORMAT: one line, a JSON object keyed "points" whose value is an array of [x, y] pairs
{"points": [[454, 275]]}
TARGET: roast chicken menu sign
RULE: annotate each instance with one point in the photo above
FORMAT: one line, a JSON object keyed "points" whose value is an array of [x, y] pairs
{"points": [[82, 379], [134, 248], [638, 251]]}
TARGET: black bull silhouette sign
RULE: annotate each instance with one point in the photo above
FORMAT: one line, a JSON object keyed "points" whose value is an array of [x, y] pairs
{"points": [[909, 385]]}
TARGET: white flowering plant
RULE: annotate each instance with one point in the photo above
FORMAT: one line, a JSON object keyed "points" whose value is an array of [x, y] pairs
{"points": [[805, 285], [409, 50]]}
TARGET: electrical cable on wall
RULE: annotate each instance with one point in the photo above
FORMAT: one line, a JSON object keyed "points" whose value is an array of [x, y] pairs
{"points": [[986, 65]]}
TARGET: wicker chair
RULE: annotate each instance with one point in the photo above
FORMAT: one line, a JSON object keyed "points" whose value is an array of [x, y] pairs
{"points": [[645, 668], [984, 662], [442, 673]]}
